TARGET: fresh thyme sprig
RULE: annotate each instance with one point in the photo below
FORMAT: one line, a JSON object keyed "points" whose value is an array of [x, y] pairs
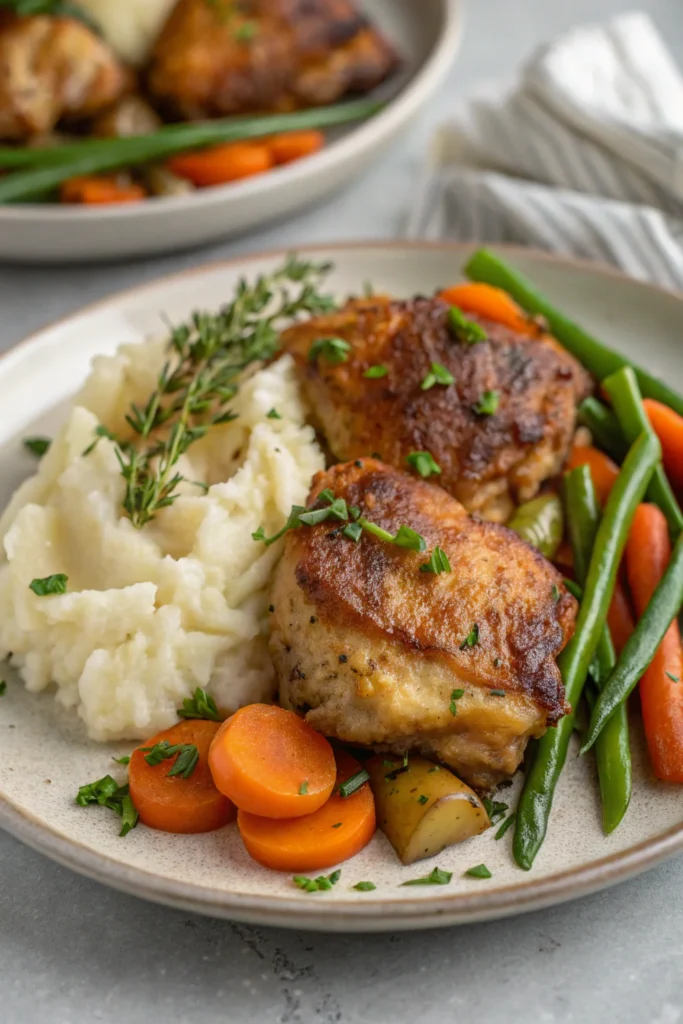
{"points": [[200, 379]]}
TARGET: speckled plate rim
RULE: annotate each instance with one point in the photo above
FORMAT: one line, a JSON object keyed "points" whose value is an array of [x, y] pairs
{"points": [[372, 914]]}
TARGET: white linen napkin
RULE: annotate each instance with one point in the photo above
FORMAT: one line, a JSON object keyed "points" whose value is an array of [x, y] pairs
{"points": [[582, 155]]}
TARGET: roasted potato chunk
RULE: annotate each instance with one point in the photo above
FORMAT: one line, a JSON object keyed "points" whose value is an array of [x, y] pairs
{"points": [[422, 807]]}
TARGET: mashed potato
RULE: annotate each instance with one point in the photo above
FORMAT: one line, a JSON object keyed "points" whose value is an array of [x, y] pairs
{"points": [[131, 27], [151, 614]]}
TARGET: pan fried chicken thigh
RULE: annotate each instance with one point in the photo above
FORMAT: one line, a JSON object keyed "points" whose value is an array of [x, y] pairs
{"points": [[497, 432], [245, 56], [53, 69], [374, 650]]}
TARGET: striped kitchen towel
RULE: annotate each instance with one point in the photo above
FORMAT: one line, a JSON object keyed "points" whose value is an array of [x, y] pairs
{"points": [[583, 155]]}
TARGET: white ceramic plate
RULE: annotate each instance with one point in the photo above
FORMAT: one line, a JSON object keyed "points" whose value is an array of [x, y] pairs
{"points": [[45, 756], [427, 33]]}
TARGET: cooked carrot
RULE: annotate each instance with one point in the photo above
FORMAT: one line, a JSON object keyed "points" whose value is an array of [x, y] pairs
{"points": [[222, 164], [98, 191], [290, 146], [661, 689], [488, 302], [603, 471], [668, 426], [270, 762], [335, 832], [173, 803], [620, 617], [564, 557]]}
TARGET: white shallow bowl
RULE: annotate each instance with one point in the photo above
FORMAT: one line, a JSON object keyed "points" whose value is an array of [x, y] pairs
{"points": [[46, 756], [427, 34]]}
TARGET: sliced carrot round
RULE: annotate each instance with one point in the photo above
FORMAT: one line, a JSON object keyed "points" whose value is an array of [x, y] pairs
{"points": [[271, 762], [173, 803], [489, 303], [334, 833]]}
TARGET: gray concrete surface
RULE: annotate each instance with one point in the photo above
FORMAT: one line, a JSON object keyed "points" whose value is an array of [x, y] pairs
{"points": [[73, 952]]}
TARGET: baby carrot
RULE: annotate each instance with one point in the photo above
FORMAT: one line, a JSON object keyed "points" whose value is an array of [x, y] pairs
{"points": [[271, 762], [98, 191], [489, 303], [289, 146], [668, 426], [222, 164], [332, 834], [603, 471], [187, 802], [620, 618], [648, 553]]}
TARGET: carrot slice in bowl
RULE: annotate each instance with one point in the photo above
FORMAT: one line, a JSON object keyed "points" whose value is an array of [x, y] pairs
{"points": [[272, 763], [334, 833], [187, 802]]}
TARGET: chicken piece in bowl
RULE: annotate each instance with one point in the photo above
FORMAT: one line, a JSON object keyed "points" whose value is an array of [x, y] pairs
{"points": [[54, 70], [246, 56], [498, 418], [458, 665]]}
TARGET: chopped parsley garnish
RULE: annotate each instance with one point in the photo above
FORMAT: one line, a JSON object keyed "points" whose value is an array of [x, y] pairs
{"points": [[556, 593], [438, 374], [353, 784], [423, 463], [273, 415], [375, 372], [672, 677], [438, 562], [334, 350], [246, 32], [291, 524], [322, 883], [423, 799], [365, 886], [505, 827], [479, 871], [338, 825], [186, 754], [495, 809], [437, 877], [337, 509], [497, 693], [303, 788], [3, 687], [326, 495], [201, 705], [354, 532], [37, 445], [472, 638], [122, 760], [497, 662], [455, 696], [49, 585], [107, 793], [463, 329], [410, 539], [487, 404]]}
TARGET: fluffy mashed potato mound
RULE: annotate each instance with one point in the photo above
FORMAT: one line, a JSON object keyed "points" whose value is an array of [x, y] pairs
{"points": [[151, 614]]}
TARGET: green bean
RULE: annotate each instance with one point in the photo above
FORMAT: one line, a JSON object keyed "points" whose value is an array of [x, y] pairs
{"points": [[540, 523], [536, 800], [613, 751], [600, 360], [604, 426], [641, 646], [45, 169], [622, 388]]}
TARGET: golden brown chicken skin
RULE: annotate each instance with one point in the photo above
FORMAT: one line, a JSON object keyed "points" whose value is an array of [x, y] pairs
{"points": [[230, 57], [489, 462], [371, 648], [53, 69]]}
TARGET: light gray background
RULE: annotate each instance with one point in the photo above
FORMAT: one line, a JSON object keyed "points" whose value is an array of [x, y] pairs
{"points": [[73, 952]]}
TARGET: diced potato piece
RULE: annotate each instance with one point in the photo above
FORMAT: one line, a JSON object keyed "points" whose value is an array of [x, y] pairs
{"points": [[424, 808]]}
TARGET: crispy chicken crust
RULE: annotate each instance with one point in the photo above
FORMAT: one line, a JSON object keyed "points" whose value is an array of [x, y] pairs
{"points": [[488, 462], [53, 69], [222, 58], [370, 648]]}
